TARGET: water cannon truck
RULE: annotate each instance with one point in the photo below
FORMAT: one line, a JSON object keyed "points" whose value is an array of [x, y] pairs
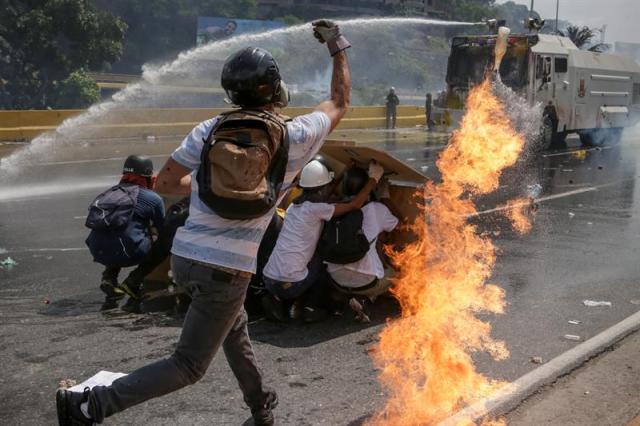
{"points": [[595, 95]]}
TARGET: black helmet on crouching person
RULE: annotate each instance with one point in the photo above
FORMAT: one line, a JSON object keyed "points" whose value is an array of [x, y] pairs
{"points": [[354, 180], [138, 165], [251, 78]]}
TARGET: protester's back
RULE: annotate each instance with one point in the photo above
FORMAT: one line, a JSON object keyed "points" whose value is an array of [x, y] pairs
{"points": [[376, 219], [127, 244]]}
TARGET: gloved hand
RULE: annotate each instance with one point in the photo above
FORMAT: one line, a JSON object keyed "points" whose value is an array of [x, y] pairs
{"points": [[375, 171], [382, 190], [329, 32]]}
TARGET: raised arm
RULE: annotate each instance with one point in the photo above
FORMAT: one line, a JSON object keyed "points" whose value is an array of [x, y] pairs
{"points": [[336, 107]]}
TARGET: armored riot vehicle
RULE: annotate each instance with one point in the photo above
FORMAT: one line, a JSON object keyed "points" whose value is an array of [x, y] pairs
{"points": [[595, 95]]}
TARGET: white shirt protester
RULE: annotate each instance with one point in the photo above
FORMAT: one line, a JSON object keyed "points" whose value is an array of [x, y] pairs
{"points": [[297, 241], [376, 219], [209, 238]]}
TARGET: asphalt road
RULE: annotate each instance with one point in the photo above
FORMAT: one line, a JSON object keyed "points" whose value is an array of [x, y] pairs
{"points": [[584, 245]]}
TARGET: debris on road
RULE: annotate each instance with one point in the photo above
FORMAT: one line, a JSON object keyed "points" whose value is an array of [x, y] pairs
{"points": [[8, 263], [572, 337], [536, 360], [571, 215], [534, 191], [635, 302], [575, 322], [596, 303], [357, 307]]}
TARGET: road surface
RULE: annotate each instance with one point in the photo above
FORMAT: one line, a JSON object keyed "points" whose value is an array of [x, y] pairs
{"points": [[585, 245]]}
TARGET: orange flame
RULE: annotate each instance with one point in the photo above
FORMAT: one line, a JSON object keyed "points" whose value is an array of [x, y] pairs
{"points": [[425, 356]]}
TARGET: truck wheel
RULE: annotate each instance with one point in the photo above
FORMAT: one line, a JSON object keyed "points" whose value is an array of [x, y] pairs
{"points": [[587, 137], [597, 137], [546, 134], [614, 135]]}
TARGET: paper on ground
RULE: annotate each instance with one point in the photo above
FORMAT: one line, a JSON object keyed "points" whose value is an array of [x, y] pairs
{"points": [[103, 378], [594, 303]]}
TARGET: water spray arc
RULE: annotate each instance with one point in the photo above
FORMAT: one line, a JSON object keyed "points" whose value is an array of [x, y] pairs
{"points": [[199, 67]]}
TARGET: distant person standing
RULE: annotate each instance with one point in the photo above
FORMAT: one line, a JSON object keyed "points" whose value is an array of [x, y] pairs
{"points": [[428, 111], [237, 167], [392, 104]]}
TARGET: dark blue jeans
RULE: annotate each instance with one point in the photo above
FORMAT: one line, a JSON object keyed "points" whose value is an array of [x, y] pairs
{"points": [[314, 286], [216, 317]]}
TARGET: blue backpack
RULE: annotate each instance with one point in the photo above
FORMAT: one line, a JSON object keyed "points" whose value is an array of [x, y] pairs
{"points": [[113, 208]]}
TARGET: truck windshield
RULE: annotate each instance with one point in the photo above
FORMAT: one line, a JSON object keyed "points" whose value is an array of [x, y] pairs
{"points": [[470, 58]]}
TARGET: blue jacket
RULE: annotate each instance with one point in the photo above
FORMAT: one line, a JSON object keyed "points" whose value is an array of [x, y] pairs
{"points": [[128, 246]]}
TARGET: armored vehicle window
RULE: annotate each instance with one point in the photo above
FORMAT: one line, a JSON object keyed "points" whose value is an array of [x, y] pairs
{"points": [[561, 64]]}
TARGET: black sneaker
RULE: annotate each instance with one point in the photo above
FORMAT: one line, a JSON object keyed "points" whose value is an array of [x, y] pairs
{"points": [[132, 306], [68, 407], [263, 416], [130, 288], [110, 290], [273, 308], [310, 315]]}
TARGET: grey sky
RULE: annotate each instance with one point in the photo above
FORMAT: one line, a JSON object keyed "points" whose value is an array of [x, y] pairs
{"points": [[622, 17]]}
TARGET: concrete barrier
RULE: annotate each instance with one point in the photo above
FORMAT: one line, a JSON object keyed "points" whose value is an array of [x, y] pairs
{"points": [[26, 125]]}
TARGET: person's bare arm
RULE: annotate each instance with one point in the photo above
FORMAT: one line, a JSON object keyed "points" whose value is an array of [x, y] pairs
{"points": [[174, 178], [337, 106]]}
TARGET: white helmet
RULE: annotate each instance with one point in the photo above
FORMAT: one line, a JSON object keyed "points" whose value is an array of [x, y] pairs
{"points": [[315, 174]]}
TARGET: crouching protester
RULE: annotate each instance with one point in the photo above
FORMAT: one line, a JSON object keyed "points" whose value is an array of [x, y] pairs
{"points": [[359, 276], [294, 268], [176, 216], [237, 167], [121, 221]]}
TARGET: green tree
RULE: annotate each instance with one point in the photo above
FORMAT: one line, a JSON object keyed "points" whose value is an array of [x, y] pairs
{"points": [[77, 91], [43, 41], [582, 37]]}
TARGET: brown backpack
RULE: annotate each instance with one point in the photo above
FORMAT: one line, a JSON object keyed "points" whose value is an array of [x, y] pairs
{"points": [[243, 163]]}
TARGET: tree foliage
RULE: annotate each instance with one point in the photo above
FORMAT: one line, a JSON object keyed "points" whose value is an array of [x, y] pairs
{"points": [[43, 41], [583, 37], [77, 91]]}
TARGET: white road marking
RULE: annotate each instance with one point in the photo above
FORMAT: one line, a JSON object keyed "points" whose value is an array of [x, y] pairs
{"points": [[537, 200], [96, 160], [40, 250], [573, 151]]}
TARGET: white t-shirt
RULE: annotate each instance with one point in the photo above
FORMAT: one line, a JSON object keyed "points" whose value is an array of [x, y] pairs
{"points": [[376, 219], [297, 241], [209, 238]]}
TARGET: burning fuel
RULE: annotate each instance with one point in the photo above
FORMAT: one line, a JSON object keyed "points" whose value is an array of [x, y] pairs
{"points": [[426, 356]]}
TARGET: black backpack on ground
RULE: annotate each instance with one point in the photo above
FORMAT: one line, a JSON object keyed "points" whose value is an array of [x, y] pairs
{"points": [[342, 240], [113, 208]]}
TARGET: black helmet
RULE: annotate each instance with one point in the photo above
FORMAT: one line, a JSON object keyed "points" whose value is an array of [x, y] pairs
{"points": [[251, 77], [138, 165], [354, 180]]}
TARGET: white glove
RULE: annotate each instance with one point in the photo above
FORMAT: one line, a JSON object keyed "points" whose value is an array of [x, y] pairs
{"points": [[375, 171], [328, 32]]}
